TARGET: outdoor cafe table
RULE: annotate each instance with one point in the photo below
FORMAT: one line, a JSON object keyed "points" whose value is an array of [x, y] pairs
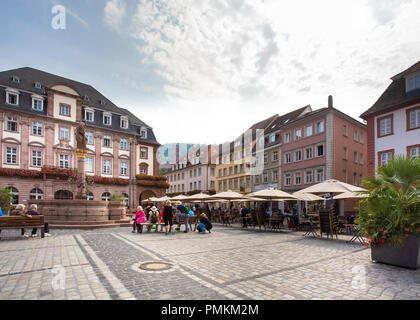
{"points": [[355, 229], [312, 227]]}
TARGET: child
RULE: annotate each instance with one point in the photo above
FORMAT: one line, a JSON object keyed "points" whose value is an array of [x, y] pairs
{"points": [[153, 216], [139, 219], [206, 223]]}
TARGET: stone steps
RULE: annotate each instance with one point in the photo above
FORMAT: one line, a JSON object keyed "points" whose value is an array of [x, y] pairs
{"points": [[83, 227]]}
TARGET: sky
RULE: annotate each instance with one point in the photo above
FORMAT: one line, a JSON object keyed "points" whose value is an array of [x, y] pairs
{"points": [[203, 71]]}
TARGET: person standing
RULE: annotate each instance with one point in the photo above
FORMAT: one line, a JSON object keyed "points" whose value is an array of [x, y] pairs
{"points": [[244, 212], [167, 215]]}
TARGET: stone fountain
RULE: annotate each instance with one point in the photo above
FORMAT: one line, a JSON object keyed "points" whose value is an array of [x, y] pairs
{"points": [[81, 213]]}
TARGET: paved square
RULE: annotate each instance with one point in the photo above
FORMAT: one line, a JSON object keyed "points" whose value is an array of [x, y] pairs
{"points": [[229, 263]]}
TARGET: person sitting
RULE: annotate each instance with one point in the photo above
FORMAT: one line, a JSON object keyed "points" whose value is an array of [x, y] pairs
{"points": [[183, 212], [153, 217], [205, 224], [33, 211], [139, 219]]}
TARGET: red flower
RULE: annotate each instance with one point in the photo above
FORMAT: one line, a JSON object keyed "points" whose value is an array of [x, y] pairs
{"points": [[381, 230], [373, 230], [406, 229], [406, 235]]}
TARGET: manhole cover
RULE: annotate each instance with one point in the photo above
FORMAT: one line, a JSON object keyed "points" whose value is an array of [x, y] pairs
{"points": [[155, 266]]}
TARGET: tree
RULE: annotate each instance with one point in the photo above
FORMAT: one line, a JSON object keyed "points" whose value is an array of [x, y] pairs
{"points": [[117, 197], [6, 198]]}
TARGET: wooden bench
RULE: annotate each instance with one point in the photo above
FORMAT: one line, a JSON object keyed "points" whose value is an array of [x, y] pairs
{"points": [[21, 222], [149, 226], [192, 220]]}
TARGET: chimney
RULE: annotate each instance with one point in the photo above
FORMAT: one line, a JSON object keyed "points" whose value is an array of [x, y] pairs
{"points": [[330, 102]]}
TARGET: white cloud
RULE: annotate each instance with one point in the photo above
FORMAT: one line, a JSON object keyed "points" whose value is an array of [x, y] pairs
{"points": [[267, 57], [114, 13]]}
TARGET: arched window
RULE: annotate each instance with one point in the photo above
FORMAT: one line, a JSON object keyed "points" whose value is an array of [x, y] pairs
{"points": [[63, 195], [15, 193], [106, 196], [36, 194], [126, 200], [89, 196], [144, 168]]}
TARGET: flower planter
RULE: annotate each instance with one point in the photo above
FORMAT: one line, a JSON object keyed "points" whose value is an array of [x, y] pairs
{"points": [[406, 255]]}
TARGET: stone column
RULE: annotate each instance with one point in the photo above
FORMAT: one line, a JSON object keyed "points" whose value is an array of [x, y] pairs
{"points": [[81, 175]]}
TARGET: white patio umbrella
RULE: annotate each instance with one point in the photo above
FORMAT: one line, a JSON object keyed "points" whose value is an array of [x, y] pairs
{"points": [[180, 197], [163, 199], [273, 195], [151, 199], [227, 195], [307, 197], [197, 197], [350, 195], [331, 186]]}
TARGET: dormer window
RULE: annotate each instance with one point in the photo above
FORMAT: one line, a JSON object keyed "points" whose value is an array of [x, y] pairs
{"points": [[414, 83], [86, 98], [38, 85], [12, 97], [107, 119], [124, 122], [103, 102], [143, 133], [272, 138], [37, 103], [15, 79], [89, 115]]}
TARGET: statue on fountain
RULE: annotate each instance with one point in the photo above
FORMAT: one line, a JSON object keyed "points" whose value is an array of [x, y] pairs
{"points": [[81, 152]]}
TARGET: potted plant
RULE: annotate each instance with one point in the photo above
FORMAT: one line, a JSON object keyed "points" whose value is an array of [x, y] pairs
{"points": [[390, 217]]}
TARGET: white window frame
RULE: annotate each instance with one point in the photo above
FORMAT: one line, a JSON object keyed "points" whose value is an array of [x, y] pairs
{"points": [[14, 93], [89, 137], [64, 161], [311, 175], [11, 155], [316, 150], [317, 176], [110, 142], [66, 135], [287, 137], [124, 123], [36, 128], [64, 107], [296, 175], [306, 131], [88, 164], [91, 112], [306, 154], [384, 125], [123, 168], [323, 127], [295, 153], [107, 115], [40, 100], [288, 156], [12, 120], [36, 158], [272, 138], [124, 144], [300, 136], [106, 166], [287, 179]]}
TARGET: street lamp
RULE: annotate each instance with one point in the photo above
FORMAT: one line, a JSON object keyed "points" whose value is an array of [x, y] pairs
{"points": [[130, 140]]}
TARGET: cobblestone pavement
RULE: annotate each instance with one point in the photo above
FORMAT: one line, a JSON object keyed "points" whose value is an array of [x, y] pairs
{"points": [[229, 263]]}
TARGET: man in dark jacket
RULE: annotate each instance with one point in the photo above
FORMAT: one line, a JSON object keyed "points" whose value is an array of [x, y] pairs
{"points": [[33, 212], [183, 212]]}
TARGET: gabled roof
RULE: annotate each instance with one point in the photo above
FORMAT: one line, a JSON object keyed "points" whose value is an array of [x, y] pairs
{"points": [[286, 118], [264, 123], [414, 68], [395, 94], [28, 77]]}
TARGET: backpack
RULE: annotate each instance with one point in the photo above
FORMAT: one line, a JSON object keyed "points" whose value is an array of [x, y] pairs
{"points": [[153, 217]]}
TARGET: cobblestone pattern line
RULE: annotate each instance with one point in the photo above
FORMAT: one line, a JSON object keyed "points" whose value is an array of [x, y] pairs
{"points": [[119, 257]]}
